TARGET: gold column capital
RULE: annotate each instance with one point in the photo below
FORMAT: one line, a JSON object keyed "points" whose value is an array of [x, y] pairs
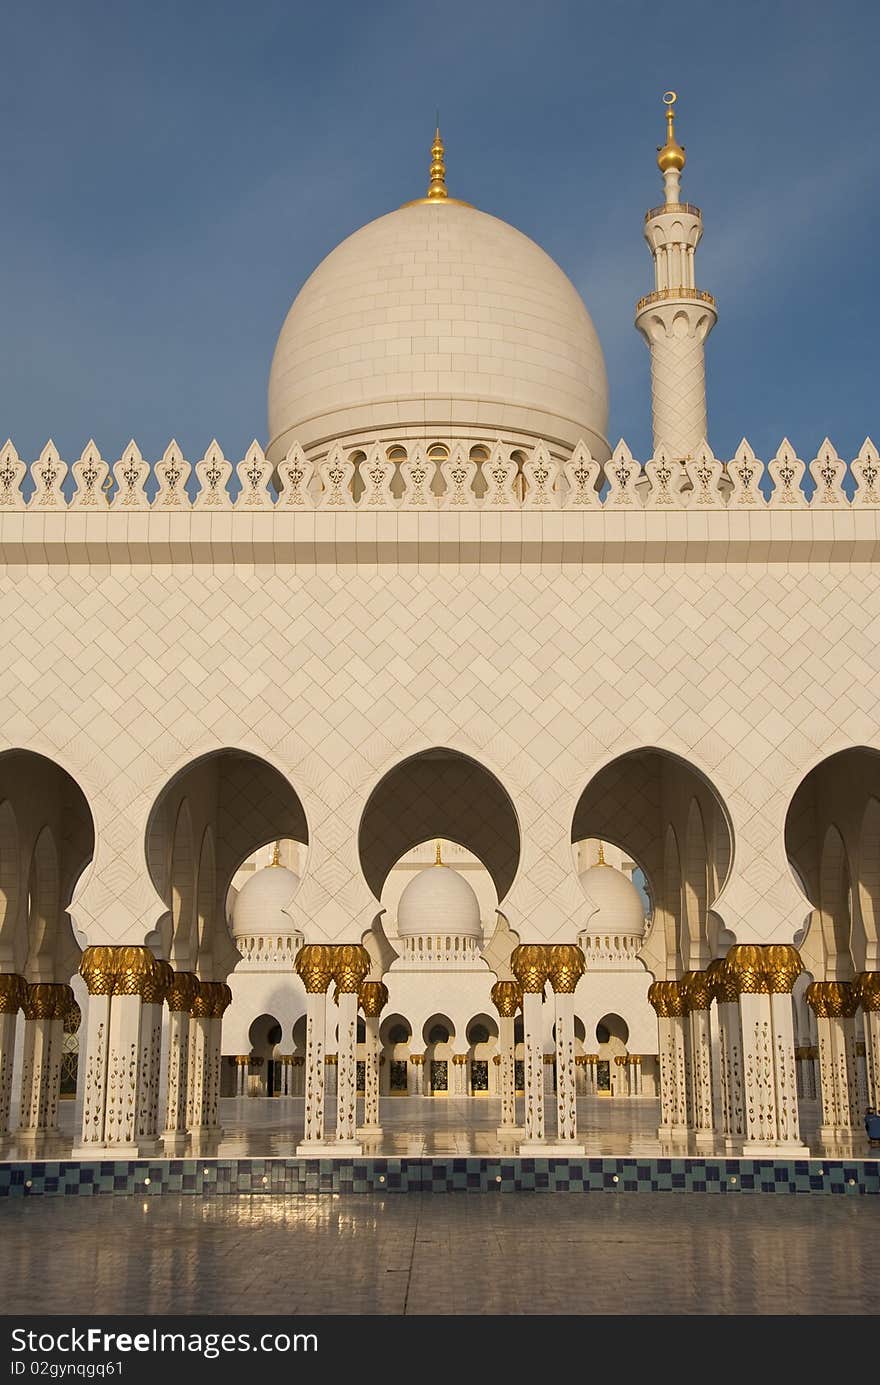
{"points": [[372, 998], [47, 1000], [668, 999], [745, 965], [134, 968], [314, 965], [697, 986], [507, 998], [566, 966], [211, 1000], [722, 982], [351, 963], [832, 999], [782, 967], [530, 965], [867, 985], [182, 991], [158, 984], [764, 969], [97, 967], [13, 989]]}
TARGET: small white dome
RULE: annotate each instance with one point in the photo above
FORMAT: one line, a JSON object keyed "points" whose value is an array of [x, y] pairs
{"points": [[439, 900], [259, 904], [617, 906]]}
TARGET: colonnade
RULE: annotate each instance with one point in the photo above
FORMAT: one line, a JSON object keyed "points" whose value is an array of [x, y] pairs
{"points": [[749, 1099], [45, 1006], [732, 1083]]}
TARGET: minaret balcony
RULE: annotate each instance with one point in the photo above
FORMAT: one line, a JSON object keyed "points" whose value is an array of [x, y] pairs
{"points": [[681, 208], [661, 295]]}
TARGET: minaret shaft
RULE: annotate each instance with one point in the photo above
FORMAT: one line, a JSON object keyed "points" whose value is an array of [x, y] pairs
{"points": [[676, 318]]}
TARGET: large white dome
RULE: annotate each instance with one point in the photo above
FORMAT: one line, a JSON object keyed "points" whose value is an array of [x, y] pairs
{"points": [[438, 901], [437, 320], [259, 904], [617, 904]]}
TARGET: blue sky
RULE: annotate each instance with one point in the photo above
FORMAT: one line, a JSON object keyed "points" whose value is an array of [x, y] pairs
{"points": [[171, 174]]}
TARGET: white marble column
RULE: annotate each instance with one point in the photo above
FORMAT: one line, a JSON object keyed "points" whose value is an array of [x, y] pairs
{"points": [[590, 1074], [12, 993], [206, 1029], [45, 1006], [314, 964], [699, 1034], [566, 967], [98, 969], [764, 977], [150, 1058], [420, 1069], [373, 997], [181, 995], [834, 1004], [867, 987], [507, 998], [669, 1001], [116, 977], [872, 1051], [730, 1066], [313, 1129], [242, 1063], [530, 966], [345, 1141]]}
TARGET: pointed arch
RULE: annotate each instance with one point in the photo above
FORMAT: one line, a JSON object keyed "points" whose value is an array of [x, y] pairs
{"points": [[631, 801], [439, 793]]}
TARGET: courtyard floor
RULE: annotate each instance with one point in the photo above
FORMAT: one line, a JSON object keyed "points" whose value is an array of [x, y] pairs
{"points": [[655, 1253]]}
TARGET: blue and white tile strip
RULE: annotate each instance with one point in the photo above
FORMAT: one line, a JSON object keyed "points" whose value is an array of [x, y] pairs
{"points": [[209, 1177]]}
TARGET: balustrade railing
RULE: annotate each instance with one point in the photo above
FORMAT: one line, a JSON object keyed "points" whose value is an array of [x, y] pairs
{"points": [[456, 477]]}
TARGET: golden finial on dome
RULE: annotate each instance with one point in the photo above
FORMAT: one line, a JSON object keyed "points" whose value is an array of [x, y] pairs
{"points": [[276, 855], [601, 861], [438, 859], [671, 155], [437, 187]]}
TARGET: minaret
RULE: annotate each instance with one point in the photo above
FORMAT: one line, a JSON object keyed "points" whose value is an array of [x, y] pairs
{"points": [[677, 317]]}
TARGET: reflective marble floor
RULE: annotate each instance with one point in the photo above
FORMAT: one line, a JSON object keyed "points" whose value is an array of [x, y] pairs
{"points": [[424, 1254], [264, 1127]]}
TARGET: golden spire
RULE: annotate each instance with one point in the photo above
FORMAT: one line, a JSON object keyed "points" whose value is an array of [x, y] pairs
{"points": [[276, 855], [438, 860], [437, 187], [601, 861], [671, 155]]}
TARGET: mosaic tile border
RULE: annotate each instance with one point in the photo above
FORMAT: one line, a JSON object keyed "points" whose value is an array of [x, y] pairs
{"points": [[210, 1177]]}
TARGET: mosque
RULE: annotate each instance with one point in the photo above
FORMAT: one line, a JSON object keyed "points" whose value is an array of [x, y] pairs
{"points": [[443, 751]]}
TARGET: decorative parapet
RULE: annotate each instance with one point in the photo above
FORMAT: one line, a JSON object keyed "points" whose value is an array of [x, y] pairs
{"points": [[455, 476], [439, 502]]}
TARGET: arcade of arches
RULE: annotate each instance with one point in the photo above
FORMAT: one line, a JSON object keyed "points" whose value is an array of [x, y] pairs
{"points": [[449, 992]]}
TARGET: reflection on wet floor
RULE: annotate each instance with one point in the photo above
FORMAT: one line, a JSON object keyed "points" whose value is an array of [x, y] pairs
{"points": [[424, 1254], [271, 1127]]}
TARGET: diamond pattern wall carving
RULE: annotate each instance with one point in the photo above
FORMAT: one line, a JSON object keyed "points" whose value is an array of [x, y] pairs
{"points": [[544, 671]]}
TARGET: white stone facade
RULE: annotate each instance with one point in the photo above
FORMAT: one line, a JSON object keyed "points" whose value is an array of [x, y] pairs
{"points": [[496, 634]]}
